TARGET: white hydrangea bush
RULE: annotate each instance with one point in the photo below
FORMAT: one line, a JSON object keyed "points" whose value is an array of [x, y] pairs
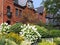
{"points": [[5, 27], [30, 32]]}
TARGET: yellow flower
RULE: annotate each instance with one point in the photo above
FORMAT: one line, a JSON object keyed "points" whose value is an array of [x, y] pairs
{"points": [[15, 36]]}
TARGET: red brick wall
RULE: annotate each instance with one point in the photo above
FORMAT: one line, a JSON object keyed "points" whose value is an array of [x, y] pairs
{"points": [[42, 17], [1, 11], [14, 18]]}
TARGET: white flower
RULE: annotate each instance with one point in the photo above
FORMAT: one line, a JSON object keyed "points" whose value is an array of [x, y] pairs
{"points": [[30, 32], [6, 23], [21, 33], [24, 25], [21, 26]]}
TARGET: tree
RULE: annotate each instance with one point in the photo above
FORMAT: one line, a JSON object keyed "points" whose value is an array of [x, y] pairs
{"points": [[28, 16], [53, 7]]}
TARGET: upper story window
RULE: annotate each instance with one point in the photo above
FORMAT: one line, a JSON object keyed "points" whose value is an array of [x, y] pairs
{"points": [[8, 8], [9, 13], [20, 12], [30, 4], [15, 1], [17, 12]]}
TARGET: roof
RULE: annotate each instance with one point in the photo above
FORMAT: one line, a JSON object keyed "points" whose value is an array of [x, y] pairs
{"points": [[49, 16], [39, 9]]}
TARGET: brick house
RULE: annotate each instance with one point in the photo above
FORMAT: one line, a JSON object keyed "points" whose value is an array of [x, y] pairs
{"points": [[11, 10], [41, 13]]}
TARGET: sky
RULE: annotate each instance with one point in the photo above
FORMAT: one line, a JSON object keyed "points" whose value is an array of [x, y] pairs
{"points": [[37, 3]]}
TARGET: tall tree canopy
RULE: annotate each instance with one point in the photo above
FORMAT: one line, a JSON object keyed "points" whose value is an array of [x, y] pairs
{"points": [[53, 7]]}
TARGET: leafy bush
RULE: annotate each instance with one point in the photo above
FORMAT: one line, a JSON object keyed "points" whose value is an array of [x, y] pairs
{"points": [[43, 31], [9, 42], [15, 37], [57, 41], [4, 41], [46, 43], [11, 39], [15, 28], [55, 33]]}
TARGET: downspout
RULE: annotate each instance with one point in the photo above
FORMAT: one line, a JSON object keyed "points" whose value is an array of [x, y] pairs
{"points": [[2, 11]]}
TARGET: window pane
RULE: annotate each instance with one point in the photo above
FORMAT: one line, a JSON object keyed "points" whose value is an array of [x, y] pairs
{"points": [[16, 12], [20, 12]]}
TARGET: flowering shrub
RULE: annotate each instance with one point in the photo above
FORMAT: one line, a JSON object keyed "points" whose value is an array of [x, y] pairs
{"points": [[19, 34], [5, 27], [30, 32]]}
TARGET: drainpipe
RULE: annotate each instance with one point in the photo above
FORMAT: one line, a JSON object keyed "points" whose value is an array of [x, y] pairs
{"points": [[2, 10]]}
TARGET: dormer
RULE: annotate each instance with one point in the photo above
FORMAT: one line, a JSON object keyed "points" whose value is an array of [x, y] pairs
{"points": [[21, 3], [15, 2], [30, 4]]}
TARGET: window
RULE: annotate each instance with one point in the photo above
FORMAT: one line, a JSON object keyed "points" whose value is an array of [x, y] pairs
{"points": [[8, 8], [15, 1], [16, 12], [20, 12], [9, 14], [8, 21]]}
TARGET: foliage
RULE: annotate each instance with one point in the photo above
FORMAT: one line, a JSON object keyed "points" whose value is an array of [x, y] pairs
{"points": [[5, 27], [49, 27], [55, 33], [43, 31], [2, 40], [10, 39], [30, 32], [10, 42], [40, 23], [25, 42], [15, 37], [57, 41], [16, 28], [46, 43], [53, 8], [19, 34], [28, 16]]}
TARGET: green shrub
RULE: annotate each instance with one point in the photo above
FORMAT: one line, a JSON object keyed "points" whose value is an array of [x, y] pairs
{"points": [[57, 41], [55, 33], [15, 37], [43, 31], [16, 28], [2, 40], [46, 43]]}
